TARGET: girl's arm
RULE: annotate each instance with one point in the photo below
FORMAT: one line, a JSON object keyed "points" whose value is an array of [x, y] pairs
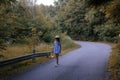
{"points": [[60, 48]]}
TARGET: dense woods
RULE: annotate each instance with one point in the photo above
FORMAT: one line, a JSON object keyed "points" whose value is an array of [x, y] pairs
{"points": [[22, 21], [89, 20]]}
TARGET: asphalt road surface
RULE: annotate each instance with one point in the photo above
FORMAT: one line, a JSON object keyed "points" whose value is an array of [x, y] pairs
{"points": [[86, 63]]}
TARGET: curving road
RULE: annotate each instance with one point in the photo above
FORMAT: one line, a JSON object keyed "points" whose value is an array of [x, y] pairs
{"points": [[86, 63]]}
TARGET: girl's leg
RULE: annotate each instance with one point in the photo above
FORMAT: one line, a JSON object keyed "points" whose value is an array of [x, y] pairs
{"points": [[57, 58]]}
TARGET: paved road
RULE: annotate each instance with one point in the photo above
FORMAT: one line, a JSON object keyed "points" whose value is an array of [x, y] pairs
{"points": [[86, 63]]}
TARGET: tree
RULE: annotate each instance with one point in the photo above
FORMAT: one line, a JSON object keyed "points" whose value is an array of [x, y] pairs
{"points": [[88, 19], [17, 23], [71, 18], [97, 3], [7, 2], [113, 11]]}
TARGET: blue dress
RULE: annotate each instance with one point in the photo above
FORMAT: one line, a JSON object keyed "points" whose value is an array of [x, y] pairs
{"points": [[57, 47]]}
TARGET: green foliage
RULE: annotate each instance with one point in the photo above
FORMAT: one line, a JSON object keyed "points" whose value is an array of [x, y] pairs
{"points": [[109, 32], [17, 22], [98, 22], [110, 7], [71, 17], [48, 37], [4, 27], [67, 42]]}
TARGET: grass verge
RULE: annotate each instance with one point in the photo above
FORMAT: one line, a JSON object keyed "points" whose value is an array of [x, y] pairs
{"points": [[114, 63]]}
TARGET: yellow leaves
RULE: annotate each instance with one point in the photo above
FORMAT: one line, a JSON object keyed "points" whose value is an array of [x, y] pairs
{"points": [[114, 64], [113, 60], [14, 16], [109, 9], [90, 15], [33, 29], [113, 10], [40, 33], [10, 21]]}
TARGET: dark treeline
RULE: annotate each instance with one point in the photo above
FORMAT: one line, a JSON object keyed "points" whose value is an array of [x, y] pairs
{"points": [[24, 22]]}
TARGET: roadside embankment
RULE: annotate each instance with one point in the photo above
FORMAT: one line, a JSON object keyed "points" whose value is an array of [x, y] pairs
{"points": [[114, 63]]}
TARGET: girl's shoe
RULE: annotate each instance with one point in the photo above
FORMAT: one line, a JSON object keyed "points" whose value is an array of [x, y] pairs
{"points": [[56, 65]]}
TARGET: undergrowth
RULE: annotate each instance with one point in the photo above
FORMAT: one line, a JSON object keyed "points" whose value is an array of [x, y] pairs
{"points": [[114, 63]]}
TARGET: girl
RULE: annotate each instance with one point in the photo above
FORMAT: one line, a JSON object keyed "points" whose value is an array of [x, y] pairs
{"points": [[57, 48]]}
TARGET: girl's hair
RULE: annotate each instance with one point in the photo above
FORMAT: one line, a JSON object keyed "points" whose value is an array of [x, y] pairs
{"points": [[57, 39]]}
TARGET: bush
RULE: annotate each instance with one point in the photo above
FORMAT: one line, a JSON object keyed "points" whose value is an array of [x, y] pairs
{"points": [[109, 32], [67, 42], [48, 37]]}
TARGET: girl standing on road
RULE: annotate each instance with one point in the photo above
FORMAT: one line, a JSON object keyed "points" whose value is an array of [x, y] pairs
{"points": [[57, 48]]}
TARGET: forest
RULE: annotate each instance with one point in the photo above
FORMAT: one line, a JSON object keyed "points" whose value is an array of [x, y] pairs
{"points": [[89, 20], [23, 22]]}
